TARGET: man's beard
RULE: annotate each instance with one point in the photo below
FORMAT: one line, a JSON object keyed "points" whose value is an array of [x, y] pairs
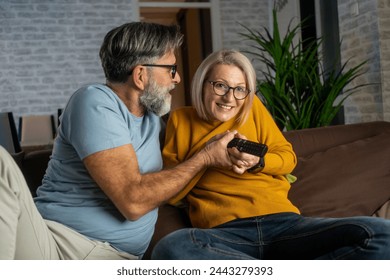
{"points": [[157, 99]]}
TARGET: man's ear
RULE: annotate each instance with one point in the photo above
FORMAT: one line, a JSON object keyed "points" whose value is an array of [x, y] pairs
{"points": [[139, 76]]}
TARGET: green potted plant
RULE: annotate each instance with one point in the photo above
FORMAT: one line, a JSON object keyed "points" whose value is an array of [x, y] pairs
{"points": [[298, 92]]}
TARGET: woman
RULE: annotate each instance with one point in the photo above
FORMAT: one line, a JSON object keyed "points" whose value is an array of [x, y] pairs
{"points": [[245, 213]]}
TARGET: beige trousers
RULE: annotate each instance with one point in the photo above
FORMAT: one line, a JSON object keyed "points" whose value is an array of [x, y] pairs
{"points": [[24, 234]]}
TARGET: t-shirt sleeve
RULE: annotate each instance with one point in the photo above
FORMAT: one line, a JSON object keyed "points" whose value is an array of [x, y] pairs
{"points": [[94, 121]]}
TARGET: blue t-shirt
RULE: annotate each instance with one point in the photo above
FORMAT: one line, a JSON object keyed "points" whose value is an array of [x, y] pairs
{"points": [[95, 119]]}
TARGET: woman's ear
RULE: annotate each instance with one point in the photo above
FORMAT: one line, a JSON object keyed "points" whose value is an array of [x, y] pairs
{"points": [[139, 76]]}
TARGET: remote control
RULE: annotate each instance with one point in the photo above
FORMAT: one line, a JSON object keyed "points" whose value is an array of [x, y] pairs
{"points": [[249, 147]]}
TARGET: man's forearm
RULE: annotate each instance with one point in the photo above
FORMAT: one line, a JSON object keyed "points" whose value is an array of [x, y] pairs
{"points": [[163, 185]]}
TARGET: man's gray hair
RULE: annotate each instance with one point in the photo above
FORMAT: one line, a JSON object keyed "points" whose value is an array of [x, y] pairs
{"points": [[136, 43]]}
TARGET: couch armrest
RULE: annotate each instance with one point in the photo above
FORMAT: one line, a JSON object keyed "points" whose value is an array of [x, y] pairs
{"points": [[34, 167], [18, 158]]}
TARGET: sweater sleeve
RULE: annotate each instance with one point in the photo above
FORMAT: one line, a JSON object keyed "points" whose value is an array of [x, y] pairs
{"points": [[280, 158]]}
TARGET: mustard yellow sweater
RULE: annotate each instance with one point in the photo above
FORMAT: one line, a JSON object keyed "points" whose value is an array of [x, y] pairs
{"points": [[216, 196]]}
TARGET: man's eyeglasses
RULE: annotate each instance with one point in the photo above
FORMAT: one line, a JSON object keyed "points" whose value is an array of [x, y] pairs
{"points": [[172, 66], [222, 89]]}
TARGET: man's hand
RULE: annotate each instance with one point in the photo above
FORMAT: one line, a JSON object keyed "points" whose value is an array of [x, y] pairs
{"points": [[215, 151]]}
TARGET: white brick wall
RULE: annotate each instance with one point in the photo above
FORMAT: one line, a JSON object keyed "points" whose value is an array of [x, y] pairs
{"points": [[49, 48], [364, 38], [384, 35], [234, 14]]}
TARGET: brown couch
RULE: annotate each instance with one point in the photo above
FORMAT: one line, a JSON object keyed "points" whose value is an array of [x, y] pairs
{"points": [[342, 170]]}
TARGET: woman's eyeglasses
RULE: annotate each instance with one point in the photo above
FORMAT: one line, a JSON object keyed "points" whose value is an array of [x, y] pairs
{"points": [[172, 66], [222, 89]]}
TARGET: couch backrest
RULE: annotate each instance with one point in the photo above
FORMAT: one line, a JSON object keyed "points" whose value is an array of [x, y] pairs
{"points": [[308, 141]]}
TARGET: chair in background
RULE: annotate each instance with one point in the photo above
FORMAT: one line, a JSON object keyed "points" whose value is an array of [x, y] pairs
{"points": [[8, 134], [59, 113], [37, 130]]}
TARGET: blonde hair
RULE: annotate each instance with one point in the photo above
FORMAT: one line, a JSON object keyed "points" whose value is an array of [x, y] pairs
{"points": [[224, 57]]}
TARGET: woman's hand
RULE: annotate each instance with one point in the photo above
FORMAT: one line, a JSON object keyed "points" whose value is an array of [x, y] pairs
{"points": [[241, 161]]}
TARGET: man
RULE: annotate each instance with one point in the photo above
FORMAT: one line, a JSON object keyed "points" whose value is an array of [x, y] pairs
{"points": [[103, 184]]}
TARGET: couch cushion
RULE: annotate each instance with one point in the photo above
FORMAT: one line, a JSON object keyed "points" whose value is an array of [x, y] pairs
{"points": [[346, 180], [170, 218]]}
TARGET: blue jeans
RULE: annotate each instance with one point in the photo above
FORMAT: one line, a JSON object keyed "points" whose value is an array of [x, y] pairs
{"points": [[285, 236]]}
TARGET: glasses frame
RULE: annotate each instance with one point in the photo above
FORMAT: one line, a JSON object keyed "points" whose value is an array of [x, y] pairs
{"points": [[228, 89], [172, 66]]}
